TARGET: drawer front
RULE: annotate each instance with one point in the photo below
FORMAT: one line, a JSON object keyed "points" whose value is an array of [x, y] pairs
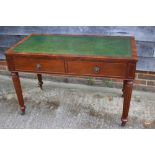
{"points": [[109, 69], [39, 65]]}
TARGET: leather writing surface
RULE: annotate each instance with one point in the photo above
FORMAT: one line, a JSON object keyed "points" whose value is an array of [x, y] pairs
{"points": [[78, 45]]}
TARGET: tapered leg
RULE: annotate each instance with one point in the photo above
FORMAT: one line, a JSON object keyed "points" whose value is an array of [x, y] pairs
{"points": [[127, 97], [17, 86], [40, 82], [124, 82]]}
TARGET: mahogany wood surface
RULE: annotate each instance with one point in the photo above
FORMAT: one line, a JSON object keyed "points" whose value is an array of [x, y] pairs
{"points": [[18, 89], [127, 97], [123, 89], [74, 65]]}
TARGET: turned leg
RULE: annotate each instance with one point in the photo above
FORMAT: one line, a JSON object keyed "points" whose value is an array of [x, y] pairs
{"points": [[127, 97], [40, 82], [18, 89], [124, 82]]}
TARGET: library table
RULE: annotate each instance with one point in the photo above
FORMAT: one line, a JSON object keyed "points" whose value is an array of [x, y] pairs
{"points": [[75, 55]]}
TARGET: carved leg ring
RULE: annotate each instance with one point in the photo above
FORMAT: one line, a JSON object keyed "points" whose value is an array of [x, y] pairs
{"points": [[127, 97], [17, 86], [40, 82]]}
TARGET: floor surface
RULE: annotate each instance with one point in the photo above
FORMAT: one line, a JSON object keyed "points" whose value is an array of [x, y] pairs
{"points": [[74, 106]]}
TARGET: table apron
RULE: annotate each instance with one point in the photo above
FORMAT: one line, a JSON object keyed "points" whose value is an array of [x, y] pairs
{"points": [[95, 68]]}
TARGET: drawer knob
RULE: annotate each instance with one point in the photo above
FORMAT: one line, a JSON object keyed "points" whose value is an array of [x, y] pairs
{"points": [[96, 69], [38, 67]]}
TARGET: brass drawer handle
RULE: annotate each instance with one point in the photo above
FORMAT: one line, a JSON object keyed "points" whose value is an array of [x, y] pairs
{"points": [[38, 67], [96, 69]]}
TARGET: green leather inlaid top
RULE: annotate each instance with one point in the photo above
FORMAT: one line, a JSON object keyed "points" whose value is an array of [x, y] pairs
{"points": [[78, 45]]}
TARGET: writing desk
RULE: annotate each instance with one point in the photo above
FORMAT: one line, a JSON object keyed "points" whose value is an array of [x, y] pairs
{"points": [[75, 55]]}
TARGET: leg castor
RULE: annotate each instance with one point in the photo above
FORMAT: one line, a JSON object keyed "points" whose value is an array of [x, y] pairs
{"points": [[22, 109], [123, 123], [22, 112]]}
